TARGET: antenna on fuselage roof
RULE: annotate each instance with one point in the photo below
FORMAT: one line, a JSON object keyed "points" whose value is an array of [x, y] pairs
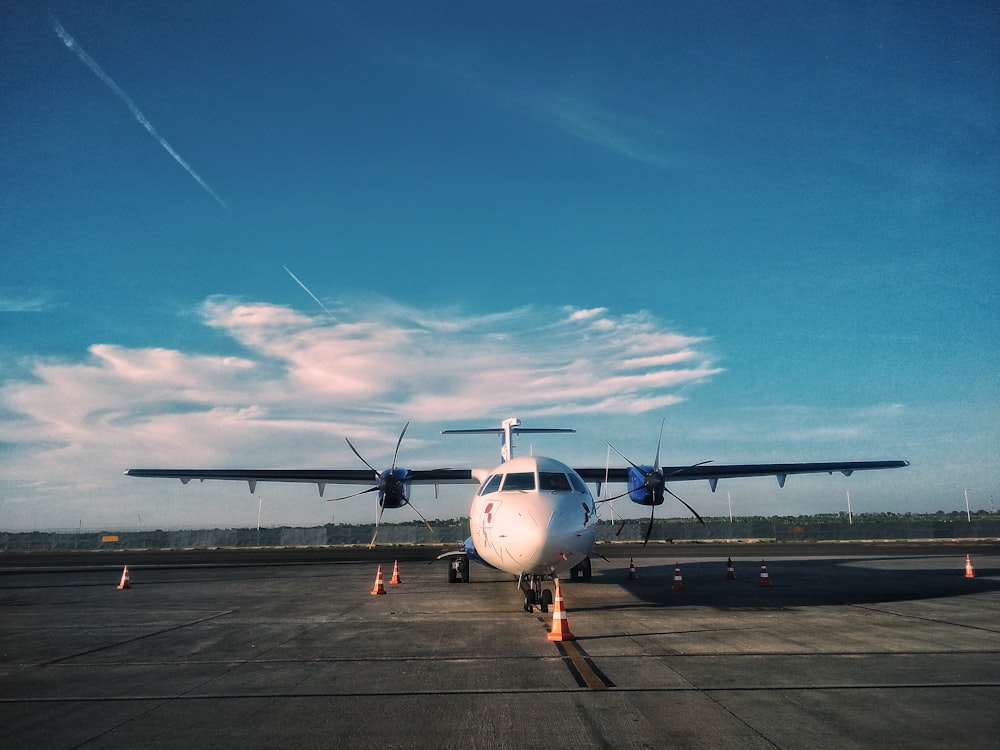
{"points": [[507, 429]]}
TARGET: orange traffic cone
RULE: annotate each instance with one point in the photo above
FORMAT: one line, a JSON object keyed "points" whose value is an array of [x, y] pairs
{"points": [[560, 625], [678, 581], [730, 571], [765, 581], [969, 572], [379, 587], [125, 582], [395, 581], [632, 575]]}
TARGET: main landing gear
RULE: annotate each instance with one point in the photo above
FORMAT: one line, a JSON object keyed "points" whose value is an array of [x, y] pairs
{"points": [[582, 571], [458, 569]]}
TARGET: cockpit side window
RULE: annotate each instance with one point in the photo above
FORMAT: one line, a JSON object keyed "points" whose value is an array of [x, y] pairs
{"points": [[578, 484], [520, 480], [492, 484], [553, 481]]}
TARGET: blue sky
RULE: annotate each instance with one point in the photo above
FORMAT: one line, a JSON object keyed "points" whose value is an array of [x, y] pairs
{"points": [[771, 225]]}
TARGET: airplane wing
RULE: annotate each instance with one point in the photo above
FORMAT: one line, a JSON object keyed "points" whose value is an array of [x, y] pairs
{"points": [[713, 473], [323, 477], [319, 477]]}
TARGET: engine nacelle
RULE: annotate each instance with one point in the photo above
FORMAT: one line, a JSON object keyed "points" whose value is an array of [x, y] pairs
{"points": [[394, 488], [641, 485]]}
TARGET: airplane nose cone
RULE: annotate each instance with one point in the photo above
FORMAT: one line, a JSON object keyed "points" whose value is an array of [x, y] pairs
{"points": [[527, 544], [565, 539]]}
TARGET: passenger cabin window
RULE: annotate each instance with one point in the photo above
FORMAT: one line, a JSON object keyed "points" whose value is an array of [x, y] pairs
{"points": [[553, 481], [492, 484], [519, 481]]}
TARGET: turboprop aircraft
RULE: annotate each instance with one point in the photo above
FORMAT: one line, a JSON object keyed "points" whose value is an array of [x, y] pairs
{"points": [[531, 516]]}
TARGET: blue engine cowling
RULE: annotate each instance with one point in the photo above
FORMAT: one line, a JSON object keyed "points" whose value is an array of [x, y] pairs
{"points": [[394, 488], [639, 489]]}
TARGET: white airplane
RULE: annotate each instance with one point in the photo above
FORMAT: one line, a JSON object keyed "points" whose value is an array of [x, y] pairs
{"points": [[532, 517]]}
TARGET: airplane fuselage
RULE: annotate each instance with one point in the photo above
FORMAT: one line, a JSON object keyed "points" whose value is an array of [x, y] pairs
{"points": [[533, 516]]}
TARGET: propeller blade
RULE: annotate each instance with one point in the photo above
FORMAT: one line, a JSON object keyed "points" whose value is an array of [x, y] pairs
{"points": [[685, 468], [602, 557], [627, 459], [351, 446], [696, 515], [378, 520], [656, 461], [355, 494], [396, 452], [426, 522], [609, 499], [649, 529], [613, 514]]}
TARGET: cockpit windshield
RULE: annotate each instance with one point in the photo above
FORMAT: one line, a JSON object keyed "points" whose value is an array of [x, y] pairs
{"points": [[519, 480], [492, 484], [553, 481], [524, 481]]}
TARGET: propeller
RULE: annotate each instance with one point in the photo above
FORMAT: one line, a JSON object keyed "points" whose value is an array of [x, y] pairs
{"points": [[654, 486], [392, 485]]}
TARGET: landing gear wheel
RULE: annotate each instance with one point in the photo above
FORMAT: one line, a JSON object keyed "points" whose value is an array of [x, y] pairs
{"points": [[546, 600], [529, 600], [458, 569], [582, 571]]}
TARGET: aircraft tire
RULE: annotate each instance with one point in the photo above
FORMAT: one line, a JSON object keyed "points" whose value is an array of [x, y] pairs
{"points": [[583, 571]]}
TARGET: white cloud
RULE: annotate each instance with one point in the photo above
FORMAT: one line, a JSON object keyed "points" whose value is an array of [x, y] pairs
{"points": [[578, 115], [593, 312], [301, 383], [16, 300], [588, 121]]}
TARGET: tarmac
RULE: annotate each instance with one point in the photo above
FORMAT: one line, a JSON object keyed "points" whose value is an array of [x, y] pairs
{"points": [[851, 646]]}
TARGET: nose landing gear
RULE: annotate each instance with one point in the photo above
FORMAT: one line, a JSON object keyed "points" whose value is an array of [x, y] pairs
{"points": [[534, 594]]}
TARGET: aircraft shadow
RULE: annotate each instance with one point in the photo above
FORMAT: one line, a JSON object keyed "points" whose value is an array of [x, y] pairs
{"points": [[796, 583]]}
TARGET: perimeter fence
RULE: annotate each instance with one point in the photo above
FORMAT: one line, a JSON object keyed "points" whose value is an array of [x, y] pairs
{"points": [[454, 533]]}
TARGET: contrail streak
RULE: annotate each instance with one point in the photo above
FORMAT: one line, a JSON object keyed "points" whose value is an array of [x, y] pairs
{"points": [[87, 60], [309, 293]]}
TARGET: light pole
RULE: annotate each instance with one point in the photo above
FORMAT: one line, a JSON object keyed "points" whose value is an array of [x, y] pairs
{"points": [[850, 518], [967, 514]]}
